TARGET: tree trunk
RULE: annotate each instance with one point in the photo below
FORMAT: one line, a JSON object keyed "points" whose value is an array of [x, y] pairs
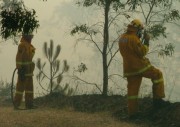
{"points": [[104, 55], [51, 79]]}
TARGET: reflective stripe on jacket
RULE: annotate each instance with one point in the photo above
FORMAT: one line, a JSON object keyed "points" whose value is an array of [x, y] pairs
{"points": [[24, 57], [133, 53]]}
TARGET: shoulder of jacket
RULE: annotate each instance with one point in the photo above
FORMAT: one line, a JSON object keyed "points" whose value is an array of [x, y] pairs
{"points": [[21, 45]]}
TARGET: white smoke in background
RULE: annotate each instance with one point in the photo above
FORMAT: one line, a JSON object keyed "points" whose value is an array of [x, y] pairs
{"points": [[57, 18]]}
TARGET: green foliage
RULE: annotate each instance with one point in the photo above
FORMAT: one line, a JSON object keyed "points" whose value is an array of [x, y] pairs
{"points": [[172, 15], [17, 20], [82, 67], [135, 3], [83, 29], [87, 3], [54, 67], [167, 50], [156, 30], [49, 51], [80, 29], [116, 4]]}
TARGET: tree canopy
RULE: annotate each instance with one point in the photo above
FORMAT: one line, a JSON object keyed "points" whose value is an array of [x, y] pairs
{"points": [[17, 19]]}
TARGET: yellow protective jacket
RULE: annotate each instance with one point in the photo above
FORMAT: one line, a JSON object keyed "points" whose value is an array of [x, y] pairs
{"points": [[24, 57], [133, 53]]}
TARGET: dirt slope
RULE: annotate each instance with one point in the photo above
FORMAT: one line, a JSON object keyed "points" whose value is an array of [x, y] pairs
{"points": [[49, 117], [167, 116], [88, 111]]}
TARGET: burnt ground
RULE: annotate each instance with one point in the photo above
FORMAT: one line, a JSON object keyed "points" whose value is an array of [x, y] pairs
{"points": [[167, 116]]}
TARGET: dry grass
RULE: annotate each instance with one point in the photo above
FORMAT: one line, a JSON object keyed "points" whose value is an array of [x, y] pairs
{"points": [[49, 117], [87, 111]]}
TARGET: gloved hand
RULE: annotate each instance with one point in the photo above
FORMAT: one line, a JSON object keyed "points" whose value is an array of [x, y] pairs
{"points": [[21, 73], [146, 39]]}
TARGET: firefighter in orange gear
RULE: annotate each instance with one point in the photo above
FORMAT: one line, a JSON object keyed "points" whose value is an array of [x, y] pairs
{"points": [[136, 66], [25, 68]]}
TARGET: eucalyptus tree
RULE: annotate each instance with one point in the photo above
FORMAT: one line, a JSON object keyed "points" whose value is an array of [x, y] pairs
{"points": [[16, 19], [157, 14], [55, 73], [106, 49], [113, 13]]}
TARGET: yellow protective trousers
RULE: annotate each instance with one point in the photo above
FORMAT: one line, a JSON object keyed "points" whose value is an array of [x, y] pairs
{"points": [[134, 83], [26, 87]]}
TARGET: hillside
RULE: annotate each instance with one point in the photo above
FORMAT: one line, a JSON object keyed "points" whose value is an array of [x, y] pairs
{"points": [[48, 117], [93, 110]]}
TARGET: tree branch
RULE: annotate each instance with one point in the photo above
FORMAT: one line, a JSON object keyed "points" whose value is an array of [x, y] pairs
{"points": [[77, 78], [151, 8], [41, 71], [112, 57], [95, 44], [117, 75], [112, 45], [42, 86]]}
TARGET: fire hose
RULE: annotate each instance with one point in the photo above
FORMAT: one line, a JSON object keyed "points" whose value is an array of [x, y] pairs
{"points": [[12, 86]]}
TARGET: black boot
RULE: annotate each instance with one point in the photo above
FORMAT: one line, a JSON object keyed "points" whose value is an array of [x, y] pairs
{"points": [[30, 105], [16, 105]]}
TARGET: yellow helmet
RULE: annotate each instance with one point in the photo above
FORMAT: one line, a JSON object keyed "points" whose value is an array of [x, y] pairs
{"points": [[137, 23]]}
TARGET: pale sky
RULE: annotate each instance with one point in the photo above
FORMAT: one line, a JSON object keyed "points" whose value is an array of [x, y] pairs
{"points": [[57, 18]]}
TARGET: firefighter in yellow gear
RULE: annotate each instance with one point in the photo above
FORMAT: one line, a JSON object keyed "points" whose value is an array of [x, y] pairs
{"points": [[25, 68], [136, 66]]}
